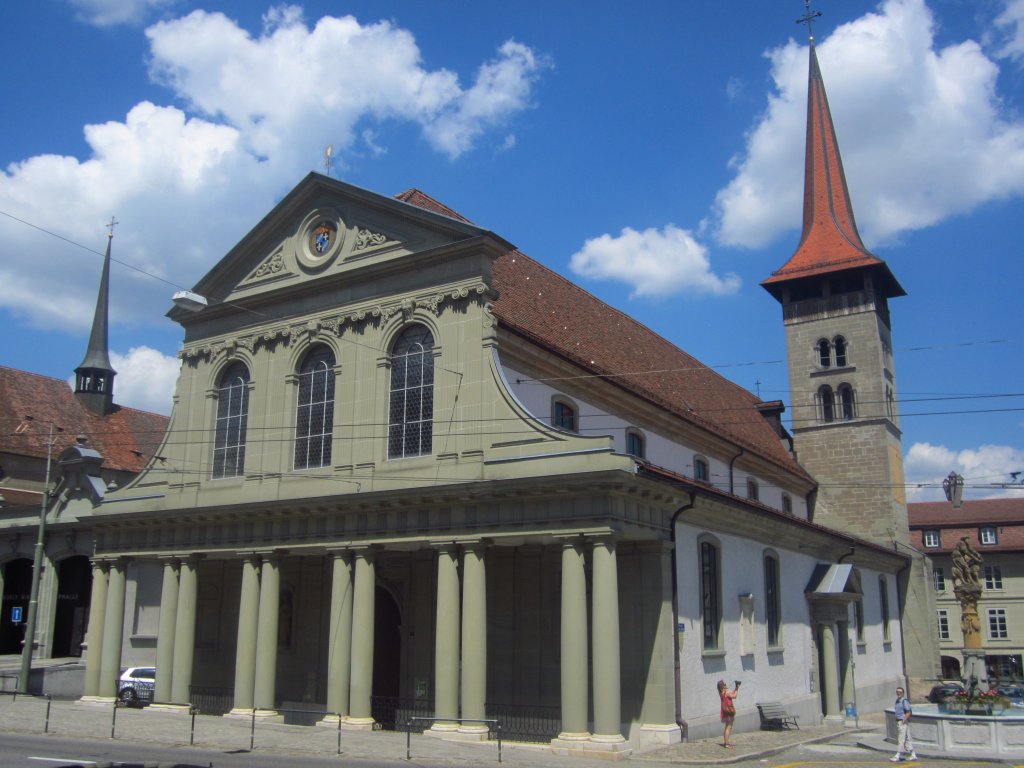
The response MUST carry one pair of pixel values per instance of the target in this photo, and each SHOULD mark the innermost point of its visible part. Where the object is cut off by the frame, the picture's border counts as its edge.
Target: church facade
(410, 470)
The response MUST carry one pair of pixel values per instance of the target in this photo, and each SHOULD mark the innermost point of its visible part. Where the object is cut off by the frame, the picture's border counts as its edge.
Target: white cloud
(145, 379)
(1009, 27)
(107, 13)
(655, 262)
(983, 468)
(185, 184)
(920, 128)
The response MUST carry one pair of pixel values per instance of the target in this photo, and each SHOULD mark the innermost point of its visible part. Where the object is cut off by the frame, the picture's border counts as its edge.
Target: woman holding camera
(728, 701)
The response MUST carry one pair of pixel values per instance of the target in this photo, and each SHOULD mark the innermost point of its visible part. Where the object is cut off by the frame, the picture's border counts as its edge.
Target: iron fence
(392, 713)
(212, 699)
(527, 723)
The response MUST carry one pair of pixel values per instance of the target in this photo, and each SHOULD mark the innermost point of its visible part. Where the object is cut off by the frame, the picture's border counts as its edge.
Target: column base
(471, 733)
(330, 721)
(108, 700)
(358, 724)
(442, 729)
(239, 713)
(571, 737)
(178, 709)
(660, 735)
(834, 719)
(604, 750)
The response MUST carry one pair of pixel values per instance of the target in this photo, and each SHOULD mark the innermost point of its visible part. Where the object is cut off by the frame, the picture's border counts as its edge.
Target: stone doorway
(74, 586)
(17, 582)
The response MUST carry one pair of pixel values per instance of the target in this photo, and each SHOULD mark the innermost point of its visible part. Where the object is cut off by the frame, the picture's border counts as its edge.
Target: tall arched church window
(772, 599)
(314, 418)
(232, 419)
(828, 404)
(824, 353)
(839, 345)
(847, 408)
(411, 412)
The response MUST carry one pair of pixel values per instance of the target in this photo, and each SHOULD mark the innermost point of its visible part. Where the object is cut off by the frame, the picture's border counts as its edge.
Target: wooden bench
(774, 717)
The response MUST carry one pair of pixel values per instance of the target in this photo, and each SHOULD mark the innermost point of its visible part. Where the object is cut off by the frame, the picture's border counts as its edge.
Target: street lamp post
(37, 567)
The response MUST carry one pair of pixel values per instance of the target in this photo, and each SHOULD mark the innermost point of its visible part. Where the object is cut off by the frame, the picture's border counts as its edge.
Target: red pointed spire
(830, 241)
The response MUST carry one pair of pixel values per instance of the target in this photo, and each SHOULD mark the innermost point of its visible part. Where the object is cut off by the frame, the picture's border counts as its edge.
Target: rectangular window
(711, 601)
(772, 604)
(943, 624)
(858, 619)
(883, 596)
(940, 580)
(787, 504)
(752, 491)
(700, 470)
(993, 577)
(931, 539)
(997, 624)
(988, 536)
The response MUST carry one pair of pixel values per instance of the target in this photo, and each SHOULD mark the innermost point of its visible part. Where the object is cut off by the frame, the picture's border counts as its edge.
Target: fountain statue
(967, 588)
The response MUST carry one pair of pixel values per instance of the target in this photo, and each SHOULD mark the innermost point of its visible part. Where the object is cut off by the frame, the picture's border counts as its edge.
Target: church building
(411, 470)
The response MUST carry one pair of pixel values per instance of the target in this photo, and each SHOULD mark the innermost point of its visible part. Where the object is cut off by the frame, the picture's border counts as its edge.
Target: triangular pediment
(326, 231)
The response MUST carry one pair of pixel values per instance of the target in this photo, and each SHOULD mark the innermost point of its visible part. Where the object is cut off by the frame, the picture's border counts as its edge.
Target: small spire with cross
(808, 18)
(110, 227)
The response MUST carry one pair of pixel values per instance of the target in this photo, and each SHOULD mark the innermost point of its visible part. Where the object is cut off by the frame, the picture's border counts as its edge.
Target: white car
(135, 685)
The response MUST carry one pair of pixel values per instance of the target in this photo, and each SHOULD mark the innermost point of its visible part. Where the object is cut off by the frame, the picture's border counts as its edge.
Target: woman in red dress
(728, 700)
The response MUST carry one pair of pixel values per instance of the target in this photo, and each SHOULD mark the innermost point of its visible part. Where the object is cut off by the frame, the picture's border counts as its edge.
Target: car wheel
(128, 695)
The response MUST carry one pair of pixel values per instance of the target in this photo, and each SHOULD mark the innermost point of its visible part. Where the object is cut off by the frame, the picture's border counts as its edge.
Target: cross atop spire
(110, 227)
(808, 19)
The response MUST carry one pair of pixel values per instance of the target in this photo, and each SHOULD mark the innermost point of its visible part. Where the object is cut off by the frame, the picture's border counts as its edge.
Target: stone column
(97, 616)
(264, 691)
(248, 629)
(113, 630)
(574, 644)
(607, 664)
(846, 667)
(474, 638)
(165, 632)
(361, 686)
(339, 652)
(185, 632)
(658, 711)
(830, 672)
(446, 640)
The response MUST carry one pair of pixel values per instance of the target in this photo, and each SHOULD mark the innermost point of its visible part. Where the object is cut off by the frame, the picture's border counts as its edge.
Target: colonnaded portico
(481, 622)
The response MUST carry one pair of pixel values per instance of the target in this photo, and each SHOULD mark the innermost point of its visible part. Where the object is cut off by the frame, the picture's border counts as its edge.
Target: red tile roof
(977, 512)
(126, 438)
(555, 313)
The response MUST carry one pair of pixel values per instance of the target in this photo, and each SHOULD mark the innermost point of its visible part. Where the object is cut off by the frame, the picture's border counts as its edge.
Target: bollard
(408, 739)
(339, 733)
(252, 732)
(46, 725)
(113, 720)
(192, 734)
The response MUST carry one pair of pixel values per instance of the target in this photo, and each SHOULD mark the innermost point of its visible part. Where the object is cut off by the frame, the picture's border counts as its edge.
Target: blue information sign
(16, 614)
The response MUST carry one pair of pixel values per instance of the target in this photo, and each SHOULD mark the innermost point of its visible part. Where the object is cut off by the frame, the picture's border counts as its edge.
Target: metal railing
(527, 722)
(391, 713)
(212, 699)
(49, 701)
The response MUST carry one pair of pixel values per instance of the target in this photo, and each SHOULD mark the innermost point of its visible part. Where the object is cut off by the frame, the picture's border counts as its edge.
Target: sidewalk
(95, 721)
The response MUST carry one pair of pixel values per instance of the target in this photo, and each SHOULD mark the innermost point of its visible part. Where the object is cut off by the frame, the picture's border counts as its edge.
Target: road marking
(65, 760)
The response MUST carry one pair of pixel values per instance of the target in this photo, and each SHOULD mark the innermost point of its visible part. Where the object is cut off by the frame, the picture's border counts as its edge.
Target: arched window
(839, 345)
(828, 403)
(890, 402)
(314, 418)
(711, 594)
(411, 416)
(846, 404)
(701, 470)
(232, 418)
(824, 353)
(563, 415)
(635, 443)
(772, 600)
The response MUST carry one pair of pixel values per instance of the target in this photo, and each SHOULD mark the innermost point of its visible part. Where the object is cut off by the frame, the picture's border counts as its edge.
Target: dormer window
(988, 535)
(931, 539)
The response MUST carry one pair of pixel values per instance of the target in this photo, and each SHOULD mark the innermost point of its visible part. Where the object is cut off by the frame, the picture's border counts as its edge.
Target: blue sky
(651, 152)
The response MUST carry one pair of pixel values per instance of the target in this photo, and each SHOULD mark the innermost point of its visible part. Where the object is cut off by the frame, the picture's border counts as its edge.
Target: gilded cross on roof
(808, 17)
(113, 223)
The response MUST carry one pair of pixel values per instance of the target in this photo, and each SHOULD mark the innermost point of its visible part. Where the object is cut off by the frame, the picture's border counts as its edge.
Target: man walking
(904, 745)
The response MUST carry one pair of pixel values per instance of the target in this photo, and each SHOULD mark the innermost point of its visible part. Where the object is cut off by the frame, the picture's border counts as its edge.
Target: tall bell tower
(94, 376)
(842, 377)
(835, 304)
